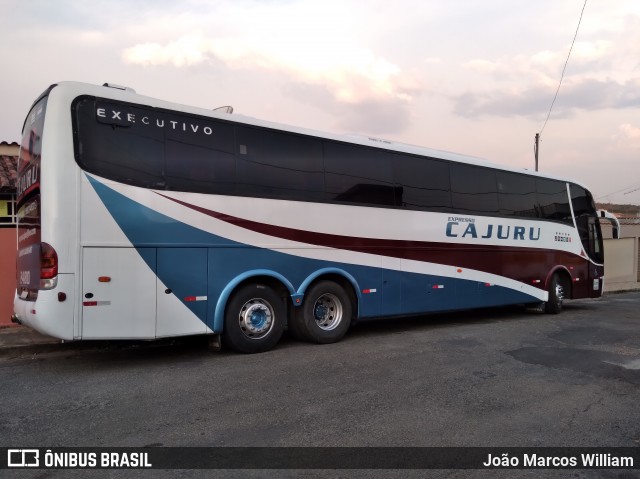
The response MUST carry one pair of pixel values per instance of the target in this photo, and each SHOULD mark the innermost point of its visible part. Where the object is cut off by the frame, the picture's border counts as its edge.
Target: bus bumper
(48, 315)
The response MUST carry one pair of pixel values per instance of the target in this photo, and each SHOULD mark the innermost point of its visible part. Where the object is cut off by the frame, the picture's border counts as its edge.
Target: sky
(476, 77)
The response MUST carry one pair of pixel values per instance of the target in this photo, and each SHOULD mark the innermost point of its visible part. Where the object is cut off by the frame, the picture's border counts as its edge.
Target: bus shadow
(384, 326)
(198, 347)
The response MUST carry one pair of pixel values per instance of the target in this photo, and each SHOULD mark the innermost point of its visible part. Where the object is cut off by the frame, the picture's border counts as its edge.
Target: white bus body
(142, 219)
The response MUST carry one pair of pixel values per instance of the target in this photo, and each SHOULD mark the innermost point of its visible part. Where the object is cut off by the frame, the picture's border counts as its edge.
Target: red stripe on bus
(486, 258)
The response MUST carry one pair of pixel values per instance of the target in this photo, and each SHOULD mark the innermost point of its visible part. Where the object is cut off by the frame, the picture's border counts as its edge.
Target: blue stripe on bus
(396, 292)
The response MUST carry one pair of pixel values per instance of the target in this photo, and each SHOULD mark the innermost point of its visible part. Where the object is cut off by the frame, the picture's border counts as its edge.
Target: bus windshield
(584, 210)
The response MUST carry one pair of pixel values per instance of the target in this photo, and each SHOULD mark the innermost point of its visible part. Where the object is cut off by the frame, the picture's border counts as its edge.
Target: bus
(142, 219)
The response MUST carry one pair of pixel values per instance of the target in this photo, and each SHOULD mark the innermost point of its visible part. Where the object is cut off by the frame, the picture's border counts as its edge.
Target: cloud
(351, 72)
(545, 66)
(599, 75)
(629, 135)
(312, 44)
(540, 66)
(186, 51)
(375, 117)
(577, 94)
(631, 132)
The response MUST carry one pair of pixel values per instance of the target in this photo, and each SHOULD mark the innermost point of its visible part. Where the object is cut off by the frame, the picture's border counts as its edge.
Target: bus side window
(553, 200)
(199, 169)
(358, 174)
(516, 194)
(279, 165)
(424, 183)
(473, 189)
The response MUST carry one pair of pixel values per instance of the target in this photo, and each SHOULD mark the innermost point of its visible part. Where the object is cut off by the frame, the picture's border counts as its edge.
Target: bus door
(596, 253)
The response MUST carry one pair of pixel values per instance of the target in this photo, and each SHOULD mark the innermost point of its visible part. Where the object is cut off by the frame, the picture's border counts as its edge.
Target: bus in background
(142, 219)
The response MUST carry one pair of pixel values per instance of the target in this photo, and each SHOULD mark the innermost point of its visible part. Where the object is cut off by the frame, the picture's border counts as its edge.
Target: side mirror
(613, 220)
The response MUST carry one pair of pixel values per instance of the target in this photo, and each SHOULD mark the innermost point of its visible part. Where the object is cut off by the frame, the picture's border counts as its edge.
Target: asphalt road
(491, 378)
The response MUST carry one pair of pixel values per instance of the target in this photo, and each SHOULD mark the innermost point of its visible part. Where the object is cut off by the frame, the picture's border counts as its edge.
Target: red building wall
(7, 274)
(8, 177)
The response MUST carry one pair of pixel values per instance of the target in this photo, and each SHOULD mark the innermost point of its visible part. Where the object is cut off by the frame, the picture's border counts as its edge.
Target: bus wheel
(254, 319)
(556, 296)
(325, 314)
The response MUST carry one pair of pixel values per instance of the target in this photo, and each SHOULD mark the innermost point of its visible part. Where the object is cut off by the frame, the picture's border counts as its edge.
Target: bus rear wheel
(556, 295)
(325, 314)
(254, 319)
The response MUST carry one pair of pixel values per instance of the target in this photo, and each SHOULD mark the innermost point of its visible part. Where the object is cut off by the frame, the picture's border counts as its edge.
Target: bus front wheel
(556, 296)
(325, 314)
(254, 320)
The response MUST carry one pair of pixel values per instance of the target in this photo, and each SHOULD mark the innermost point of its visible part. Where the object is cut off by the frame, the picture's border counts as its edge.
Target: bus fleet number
(25, 277)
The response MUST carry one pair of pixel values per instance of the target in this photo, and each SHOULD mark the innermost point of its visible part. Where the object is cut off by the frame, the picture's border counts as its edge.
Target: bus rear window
(28, 202)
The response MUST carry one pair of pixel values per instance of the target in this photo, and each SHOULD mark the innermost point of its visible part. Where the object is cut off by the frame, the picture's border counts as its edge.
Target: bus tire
(556, 296)
(254, 319)
(325, 314)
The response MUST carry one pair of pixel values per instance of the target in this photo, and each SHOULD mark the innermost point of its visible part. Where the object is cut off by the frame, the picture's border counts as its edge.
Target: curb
(22, 340)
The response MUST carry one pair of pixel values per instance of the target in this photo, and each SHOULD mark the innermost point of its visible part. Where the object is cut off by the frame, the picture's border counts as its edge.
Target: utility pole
(535, 148)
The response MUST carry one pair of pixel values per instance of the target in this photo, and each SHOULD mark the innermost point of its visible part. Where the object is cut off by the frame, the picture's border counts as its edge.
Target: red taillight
(48, 261)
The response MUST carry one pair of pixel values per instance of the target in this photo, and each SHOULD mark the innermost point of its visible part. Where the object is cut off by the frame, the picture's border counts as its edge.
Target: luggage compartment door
(182, 291)
(118, 293)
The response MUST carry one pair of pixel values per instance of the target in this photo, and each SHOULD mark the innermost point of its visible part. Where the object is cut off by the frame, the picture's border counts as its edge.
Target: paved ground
(21, 338)
(489, 378)
(16, 339)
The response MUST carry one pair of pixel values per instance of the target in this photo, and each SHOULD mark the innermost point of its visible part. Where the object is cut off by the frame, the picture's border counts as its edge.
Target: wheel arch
(270, 278)
(337, 275)
(565, 276)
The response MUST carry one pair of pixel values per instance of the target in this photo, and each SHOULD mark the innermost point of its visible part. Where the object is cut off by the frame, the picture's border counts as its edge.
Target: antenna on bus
(226, 109)
(119, 87)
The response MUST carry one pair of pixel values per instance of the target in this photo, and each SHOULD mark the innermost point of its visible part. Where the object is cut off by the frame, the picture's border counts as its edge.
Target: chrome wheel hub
(559, 293)
(256, 318)
(327, 311)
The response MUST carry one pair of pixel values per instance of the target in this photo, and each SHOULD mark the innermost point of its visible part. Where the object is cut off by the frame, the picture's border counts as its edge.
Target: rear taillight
(48, 266)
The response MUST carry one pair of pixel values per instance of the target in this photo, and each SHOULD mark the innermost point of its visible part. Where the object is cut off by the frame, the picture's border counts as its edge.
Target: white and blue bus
(141, 219)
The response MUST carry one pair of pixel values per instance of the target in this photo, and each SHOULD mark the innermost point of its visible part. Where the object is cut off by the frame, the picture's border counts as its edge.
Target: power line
(564, 68)
(627, 190)
(536, 145)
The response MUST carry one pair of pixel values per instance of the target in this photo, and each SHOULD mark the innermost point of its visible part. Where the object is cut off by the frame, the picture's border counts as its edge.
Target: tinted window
(584, 211)
(152, 148)
(199, 169)
(553, 200)
(423, 183)
(516, 194)
(200, 155)
(109, 144)
(595, 248)
(356, 174)
(279, 165)
(582, 201)
(473, 189)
